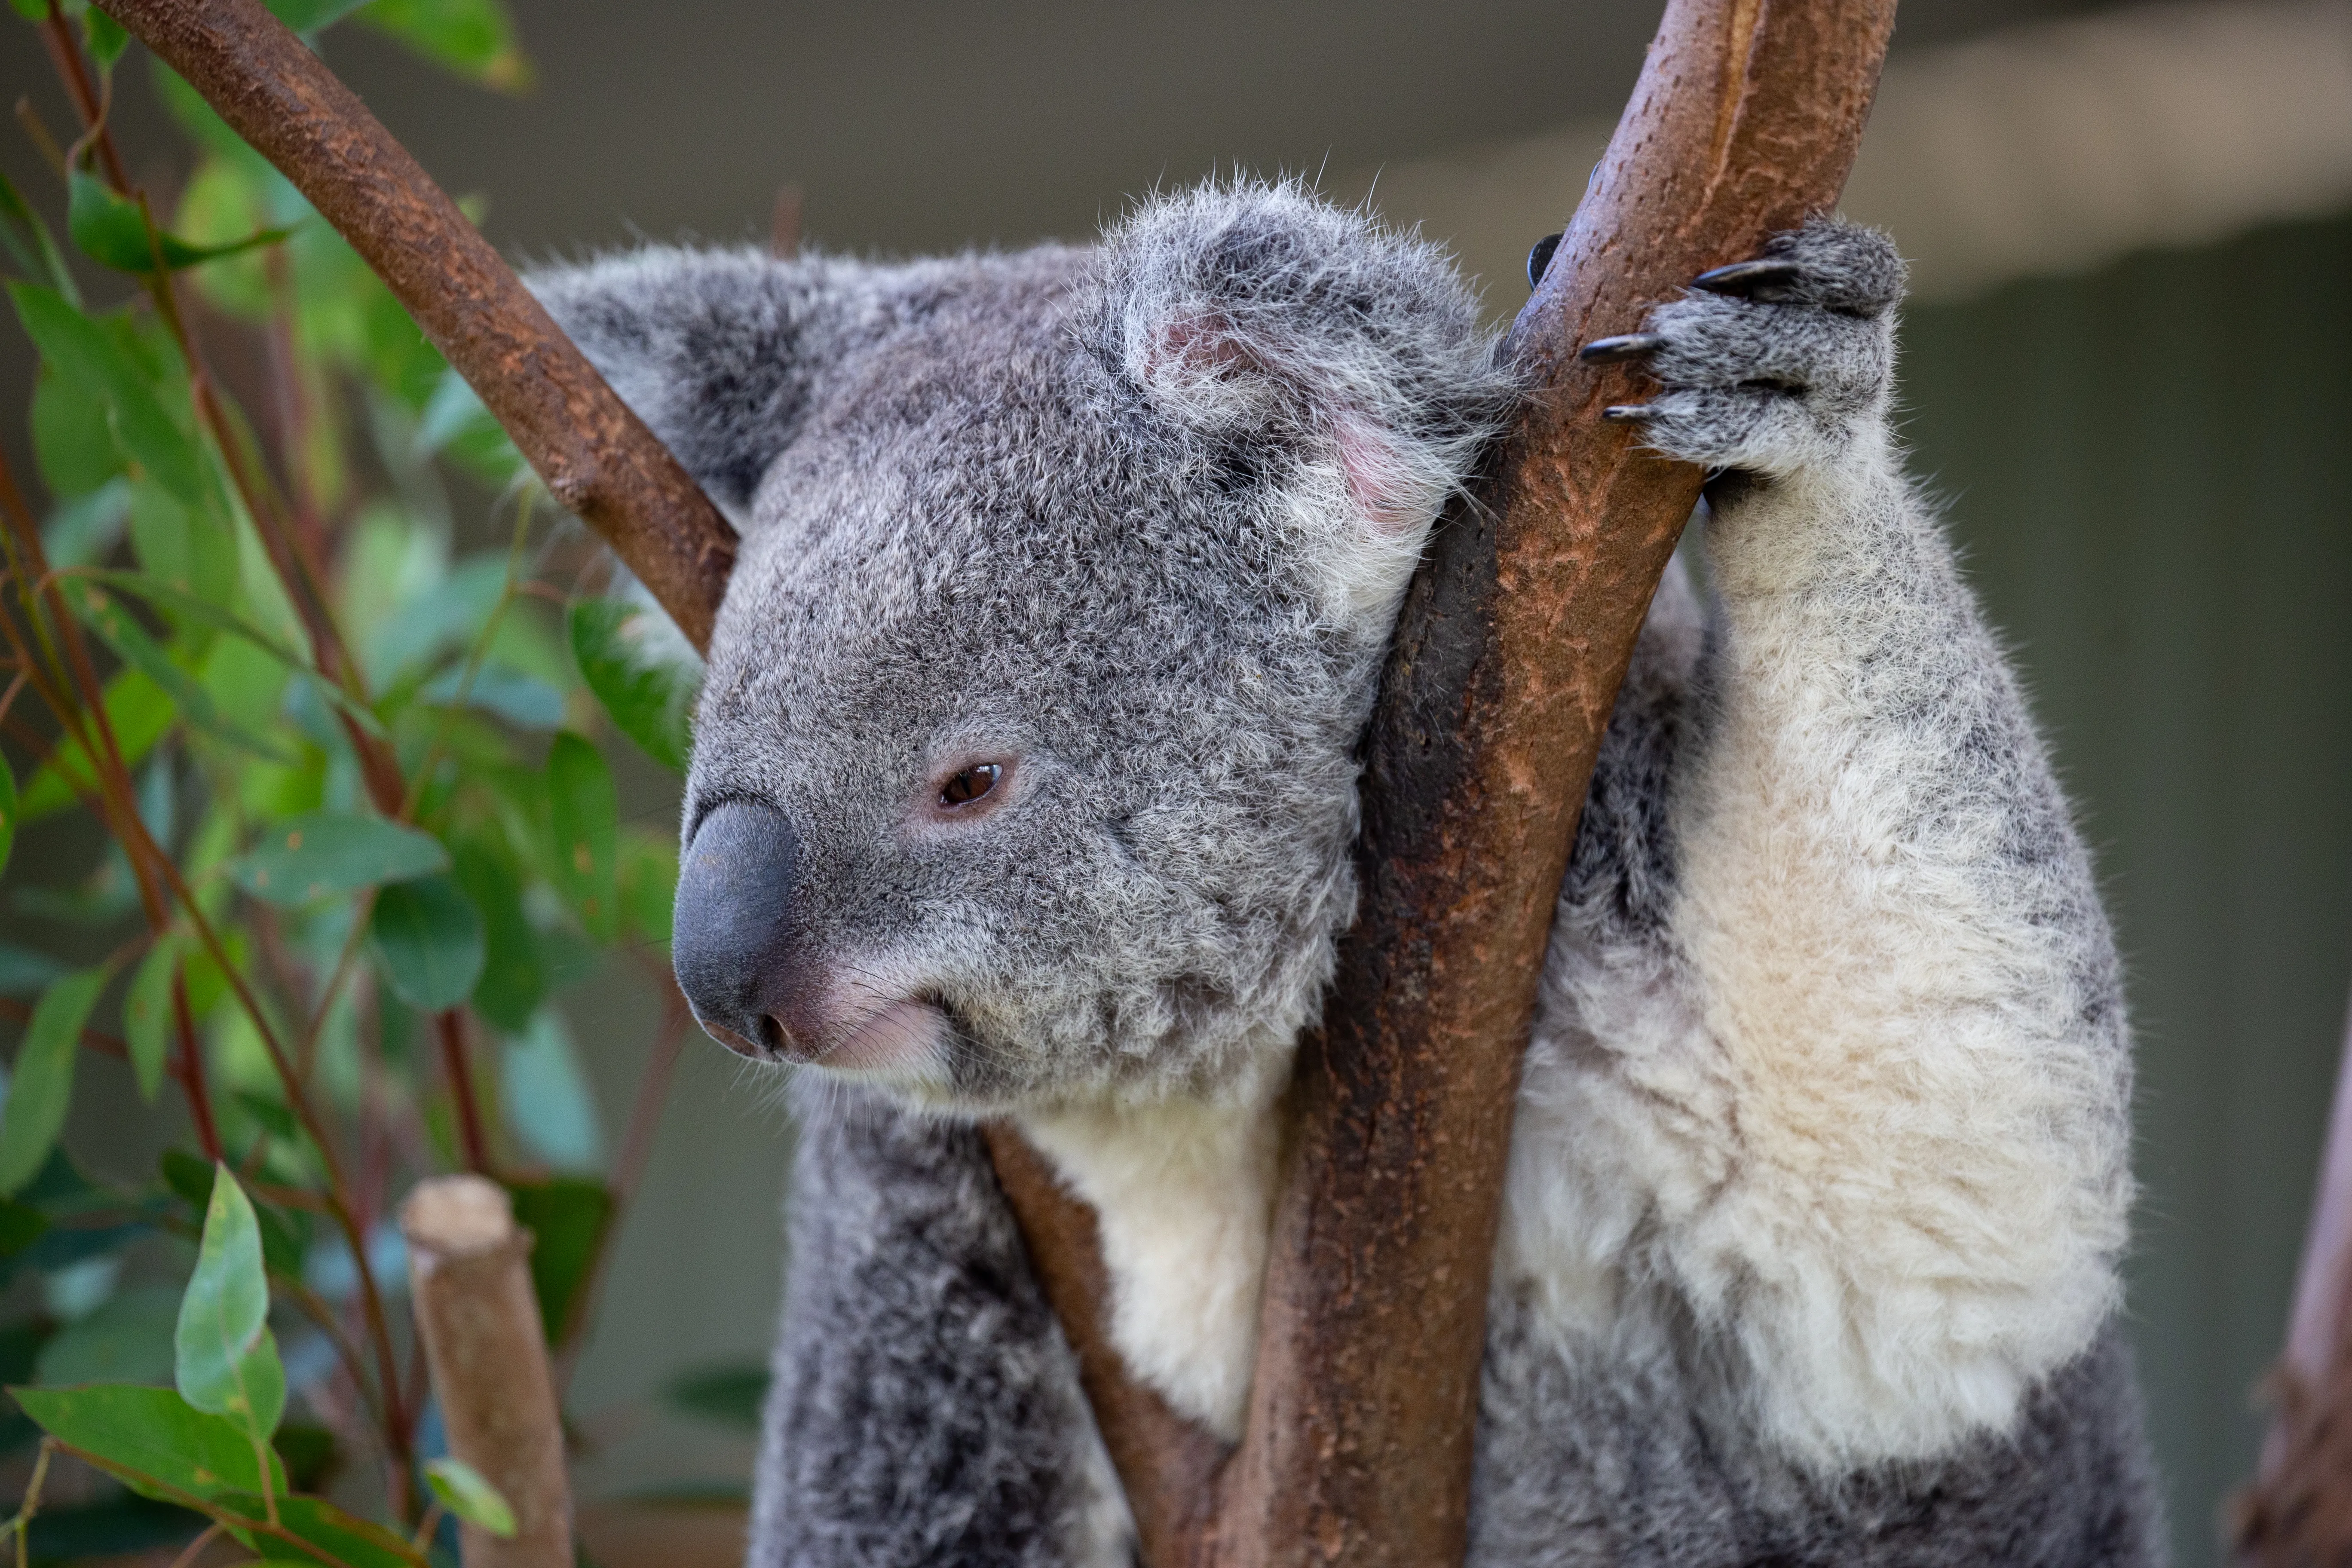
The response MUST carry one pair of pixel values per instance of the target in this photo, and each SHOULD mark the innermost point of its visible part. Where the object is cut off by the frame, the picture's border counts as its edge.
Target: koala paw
(1772, 366)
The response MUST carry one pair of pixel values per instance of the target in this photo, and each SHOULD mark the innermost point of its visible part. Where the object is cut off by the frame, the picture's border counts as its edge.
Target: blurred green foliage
(360, 829)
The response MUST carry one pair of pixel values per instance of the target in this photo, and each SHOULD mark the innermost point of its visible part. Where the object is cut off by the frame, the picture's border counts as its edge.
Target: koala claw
(1613, 350)
(1631, 412)
(1758, 279)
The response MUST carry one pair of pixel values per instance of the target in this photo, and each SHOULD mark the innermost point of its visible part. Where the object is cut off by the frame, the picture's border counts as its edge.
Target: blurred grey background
(2129, 374)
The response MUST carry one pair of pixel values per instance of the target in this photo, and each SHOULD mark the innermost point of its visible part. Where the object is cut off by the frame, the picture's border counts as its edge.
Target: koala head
(1024, 770)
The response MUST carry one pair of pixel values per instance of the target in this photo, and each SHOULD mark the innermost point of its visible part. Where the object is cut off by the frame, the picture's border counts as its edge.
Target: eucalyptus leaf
(79, 348)
(583, 821)
(626, 659)
(340, 1538)
(322, 853)
(543, 1089)
(129, 639)
(308, 17)
(105, 36)
(427, 936)
(138, 711)
(464, 1492)
(514, 977)
(127, 1340)
(518, 698)
(473, 37)
(226, 1361)
(152, 1440)
(27, 241)
(147, 1014)
(111, 230)
(40, 1085)
(568, 1218)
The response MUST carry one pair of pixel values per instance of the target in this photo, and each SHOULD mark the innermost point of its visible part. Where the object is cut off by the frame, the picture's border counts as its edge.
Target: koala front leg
(1901, 1103)
(926, 1410)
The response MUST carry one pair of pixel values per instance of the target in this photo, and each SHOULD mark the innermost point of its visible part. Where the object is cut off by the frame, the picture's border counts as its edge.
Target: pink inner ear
(1192, 346)
(1379, 477)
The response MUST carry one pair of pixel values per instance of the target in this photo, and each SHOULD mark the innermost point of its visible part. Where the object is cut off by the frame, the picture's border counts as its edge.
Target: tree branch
(1505, 665)
(598, 457)
(1500, 681)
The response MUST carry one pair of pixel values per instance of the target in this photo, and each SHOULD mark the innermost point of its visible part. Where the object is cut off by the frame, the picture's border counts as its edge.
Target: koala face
(1023, 769)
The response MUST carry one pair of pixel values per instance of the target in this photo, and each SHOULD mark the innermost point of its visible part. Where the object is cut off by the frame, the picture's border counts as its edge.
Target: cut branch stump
(469, 1277)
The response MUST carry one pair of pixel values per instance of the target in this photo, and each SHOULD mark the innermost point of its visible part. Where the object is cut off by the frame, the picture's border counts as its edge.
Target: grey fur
(1135, 517)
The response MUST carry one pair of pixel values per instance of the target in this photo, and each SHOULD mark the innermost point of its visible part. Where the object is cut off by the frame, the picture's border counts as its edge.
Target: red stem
(459, 1069)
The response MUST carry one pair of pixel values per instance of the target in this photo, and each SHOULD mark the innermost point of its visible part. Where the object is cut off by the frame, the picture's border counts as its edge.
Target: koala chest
(1183, 1198)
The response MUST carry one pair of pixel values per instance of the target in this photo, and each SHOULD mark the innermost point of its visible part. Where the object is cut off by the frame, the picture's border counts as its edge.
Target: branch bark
(1499, 684)
(469, 1273)
(598, 457)
(2298, 1510)
(1506, 664)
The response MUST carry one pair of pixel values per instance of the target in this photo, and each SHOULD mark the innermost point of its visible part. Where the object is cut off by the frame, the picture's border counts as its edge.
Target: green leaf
(152, 1440)
(188, 548)
(140, 713)
(648, 886)
(514, 978)
(26, 240)
(129, 1339)
(106, 37)
(227, 1361)
(308, 17)
(728, 1395)
(21, 1224)
(584, 820)
(338, 1538)
(326, 852)
(428, 937)
(111, 230)
(546, 1097)
(41, 1086)
(147, 1017)
(131, 643)
(81, 349)
(568, 1217)
(7, 812)
(623, 655)
(73, 437)
(526, 703)
(475, 38)
(284, 1234)
(464, 1492)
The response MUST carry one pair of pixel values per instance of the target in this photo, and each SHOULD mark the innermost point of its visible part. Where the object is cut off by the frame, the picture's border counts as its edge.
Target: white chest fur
(1183, 1193)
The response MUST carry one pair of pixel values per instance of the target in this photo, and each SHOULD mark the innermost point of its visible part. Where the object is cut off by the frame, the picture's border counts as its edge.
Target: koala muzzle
(731, 938)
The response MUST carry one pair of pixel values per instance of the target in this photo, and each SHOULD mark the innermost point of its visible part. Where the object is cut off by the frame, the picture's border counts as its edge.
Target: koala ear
(716, 350)
(1263, 319)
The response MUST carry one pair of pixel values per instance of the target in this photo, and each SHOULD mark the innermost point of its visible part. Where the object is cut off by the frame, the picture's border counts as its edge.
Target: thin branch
(598, 457)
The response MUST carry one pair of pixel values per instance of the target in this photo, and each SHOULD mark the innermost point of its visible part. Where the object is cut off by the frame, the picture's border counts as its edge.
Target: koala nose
(731, 938)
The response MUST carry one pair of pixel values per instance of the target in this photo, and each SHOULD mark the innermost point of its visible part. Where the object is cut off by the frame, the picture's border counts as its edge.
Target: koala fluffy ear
(1263, 319)
(717, 350)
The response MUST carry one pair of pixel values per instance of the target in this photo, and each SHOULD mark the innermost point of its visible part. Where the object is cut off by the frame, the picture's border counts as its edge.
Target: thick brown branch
(597, 456)
(1500, 682)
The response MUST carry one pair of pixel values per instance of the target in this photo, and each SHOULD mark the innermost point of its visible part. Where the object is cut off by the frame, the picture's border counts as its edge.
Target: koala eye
(971, 784)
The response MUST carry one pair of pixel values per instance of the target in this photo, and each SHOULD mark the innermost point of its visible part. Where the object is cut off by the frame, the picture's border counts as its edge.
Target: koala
(1024, 786)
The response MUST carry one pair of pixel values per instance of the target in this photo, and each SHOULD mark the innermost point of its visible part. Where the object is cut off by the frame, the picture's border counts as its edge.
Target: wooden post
(469, 1277)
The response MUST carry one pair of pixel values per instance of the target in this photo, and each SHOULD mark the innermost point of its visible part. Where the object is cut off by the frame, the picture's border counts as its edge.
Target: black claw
(1629, 412)
(1613, 351)
(1744, 278)
(1540, 257)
